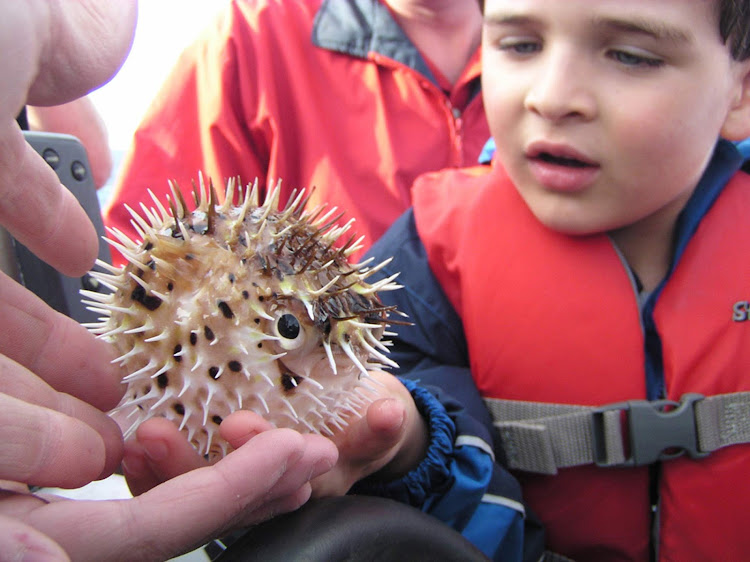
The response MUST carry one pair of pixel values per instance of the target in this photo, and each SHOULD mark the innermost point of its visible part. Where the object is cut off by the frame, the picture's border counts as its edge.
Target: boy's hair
(734, 26)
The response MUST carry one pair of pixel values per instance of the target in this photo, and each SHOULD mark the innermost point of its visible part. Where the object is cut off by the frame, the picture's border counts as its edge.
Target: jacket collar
(360, 27)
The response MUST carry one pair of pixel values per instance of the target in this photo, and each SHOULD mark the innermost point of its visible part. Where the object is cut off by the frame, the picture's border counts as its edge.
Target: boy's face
(605, 112)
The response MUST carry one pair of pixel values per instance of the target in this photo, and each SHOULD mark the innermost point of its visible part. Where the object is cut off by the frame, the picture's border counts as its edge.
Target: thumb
(383, 428)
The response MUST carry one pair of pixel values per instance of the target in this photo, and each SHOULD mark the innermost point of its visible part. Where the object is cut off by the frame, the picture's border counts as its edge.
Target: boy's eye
(519, 47)
(628, 58)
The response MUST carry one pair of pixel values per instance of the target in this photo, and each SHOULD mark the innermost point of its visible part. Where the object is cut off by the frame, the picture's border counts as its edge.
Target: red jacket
(554, 318)
(327, 94)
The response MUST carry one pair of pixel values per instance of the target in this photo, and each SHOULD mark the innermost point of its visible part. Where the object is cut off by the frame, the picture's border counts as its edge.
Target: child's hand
(389, 439)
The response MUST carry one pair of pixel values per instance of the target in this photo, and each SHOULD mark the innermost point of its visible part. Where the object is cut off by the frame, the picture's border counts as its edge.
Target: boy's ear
(737, 123)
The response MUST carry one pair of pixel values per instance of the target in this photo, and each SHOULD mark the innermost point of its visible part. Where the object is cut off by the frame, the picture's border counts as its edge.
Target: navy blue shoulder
(434, 348)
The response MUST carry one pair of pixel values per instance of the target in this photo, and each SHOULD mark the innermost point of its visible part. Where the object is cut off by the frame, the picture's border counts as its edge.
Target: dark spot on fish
(189, 257)
(162, 380)
(245, 295)
(235, 366)
(193, 338)
(179, 408)
(216, 419)
(149, 301)
(231, 277)
(148, 246)
(261, 298)
(256, 320)
(260, 345)
(151, 265)
(209, 333)
(170, 286)
(225, 310)
(213, 372)
(177, 349)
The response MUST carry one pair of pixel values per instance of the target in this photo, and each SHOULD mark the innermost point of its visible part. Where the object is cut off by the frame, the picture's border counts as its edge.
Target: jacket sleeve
(460, 481)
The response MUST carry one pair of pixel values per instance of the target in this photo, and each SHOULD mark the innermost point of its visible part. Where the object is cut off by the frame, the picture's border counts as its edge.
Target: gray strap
(542, 438)
(723, 420)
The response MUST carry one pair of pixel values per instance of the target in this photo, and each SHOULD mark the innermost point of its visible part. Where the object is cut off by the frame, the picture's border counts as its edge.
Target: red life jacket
(555, 318)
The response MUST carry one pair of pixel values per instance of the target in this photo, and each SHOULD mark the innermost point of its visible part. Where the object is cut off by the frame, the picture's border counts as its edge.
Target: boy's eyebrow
(654, 29)
(500, 19)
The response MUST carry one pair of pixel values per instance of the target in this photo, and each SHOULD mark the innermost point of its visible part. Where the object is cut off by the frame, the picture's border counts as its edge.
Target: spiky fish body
(244, 306)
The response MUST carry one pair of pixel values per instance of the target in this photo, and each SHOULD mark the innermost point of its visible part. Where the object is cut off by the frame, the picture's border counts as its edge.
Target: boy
(601, 258)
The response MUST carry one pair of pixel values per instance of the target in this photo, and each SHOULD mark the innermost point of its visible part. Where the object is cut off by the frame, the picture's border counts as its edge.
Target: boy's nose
(561, 89)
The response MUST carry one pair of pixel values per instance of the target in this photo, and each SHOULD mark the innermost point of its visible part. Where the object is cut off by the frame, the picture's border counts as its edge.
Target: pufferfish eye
(288, 326)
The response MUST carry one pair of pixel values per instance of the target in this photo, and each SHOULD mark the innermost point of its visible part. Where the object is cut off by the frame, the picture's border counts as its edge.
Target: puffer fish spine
(243, 306)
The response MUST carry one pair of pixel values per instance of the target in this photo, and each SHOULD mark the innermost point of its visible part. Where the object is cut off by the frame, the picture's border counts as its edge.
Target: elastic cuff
(431, 474)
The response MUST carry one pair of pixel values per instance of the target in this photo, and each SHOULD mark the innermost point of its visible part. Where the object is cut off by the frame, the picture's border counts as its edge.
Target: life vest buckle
(657, 430)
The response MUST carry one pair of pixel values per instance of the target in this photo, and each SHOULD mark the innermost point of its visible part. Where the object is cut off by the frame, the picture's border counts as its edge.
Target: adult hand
(53, 52)
(270, 474)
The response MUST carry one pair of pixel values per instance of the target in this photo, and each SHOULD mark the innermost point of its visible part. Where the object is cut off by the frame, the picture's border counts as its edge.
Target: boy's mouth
(559, 155)
(560, 167)
(562, 160)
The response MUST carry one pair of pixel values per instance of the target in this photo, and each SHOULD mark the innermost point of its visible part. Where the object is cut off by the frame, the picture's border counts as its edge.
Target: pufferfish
(241, 306)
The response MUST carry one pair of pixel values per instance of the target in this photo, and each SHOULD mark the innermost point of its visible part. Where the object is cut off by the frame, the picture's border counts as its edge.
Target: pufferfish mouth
(289, 379)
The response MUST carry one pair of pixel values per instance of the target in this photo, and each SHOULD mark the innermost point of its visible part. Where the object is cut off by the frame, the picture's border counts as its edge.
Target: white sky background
(164, 29)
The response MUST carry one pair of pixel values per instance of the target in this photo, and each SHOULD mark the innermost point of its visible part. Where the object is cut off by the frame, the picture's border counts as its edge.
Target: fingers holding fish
(200, 504)
(157, 453)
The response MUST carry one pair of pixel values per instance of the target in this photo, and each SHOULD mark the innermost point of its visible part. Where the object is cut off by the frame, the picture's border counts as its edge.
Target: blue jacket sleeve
(460, 481)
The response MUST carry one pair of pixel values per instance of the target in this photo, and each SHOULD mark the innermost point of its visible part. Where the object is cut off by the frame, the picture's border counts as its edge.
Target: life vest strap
(541, 437)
